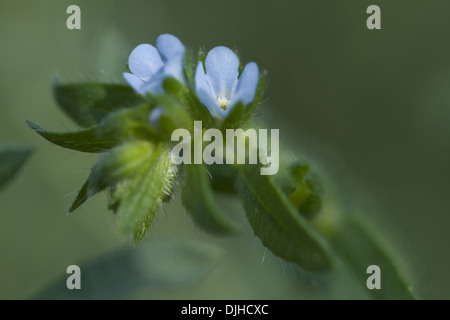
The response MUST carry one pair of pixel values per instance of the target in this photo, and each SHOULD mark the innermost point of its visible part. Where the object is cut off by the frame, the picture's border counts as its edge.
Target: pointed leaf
(81, 198)
(278, 224)
(116, 194)
(198, 199)
(144, 194)
(88, 103)
(84, 140)
(359, 247)
(120, 164)
(12, 158)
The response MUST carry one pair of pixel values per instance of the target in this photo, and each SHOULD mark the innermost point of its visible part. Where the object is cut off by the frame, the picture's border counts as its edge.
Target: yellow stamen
(223, 102)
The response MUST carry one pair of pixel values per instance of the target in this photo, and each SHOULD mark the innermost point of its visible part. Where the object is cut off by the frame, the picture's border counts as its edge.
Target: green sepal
(306, 195)
(89, 103)
(198, 199)
(201, 56)
(81, 198)
(196, 109)
(277, 223)
(12, 158)
(84, 140)
(116, 193)
(251, 108)
(142, 196)
(119, 164)
(199, 112)
(189, 69)
(128, 124)
(173, 117)
(235, 118)
(175, 88)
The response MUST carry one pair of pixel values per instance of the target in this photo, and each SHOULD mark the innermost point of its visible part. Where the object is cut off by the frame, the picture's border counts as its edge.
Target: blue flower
(150, 65)
(155, 115)
(220, 87)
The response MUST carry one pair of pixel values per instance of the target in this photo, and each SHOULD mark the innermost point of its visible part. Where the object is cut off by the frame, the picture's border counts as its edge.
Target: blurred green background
(372, 107)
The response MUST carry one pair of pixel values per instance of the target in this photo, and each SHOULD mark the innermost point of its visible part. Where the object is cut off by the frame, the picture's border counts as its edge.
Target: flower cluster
(131, 126)
(218, 84)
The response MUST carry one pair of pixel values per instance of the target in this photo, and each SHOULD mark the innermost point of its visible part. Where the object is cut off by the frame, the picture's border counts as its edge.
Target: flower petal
(247, 85)
(154, 86)
(175, 68)
(205, 92)
(172, 68)
(144, 61)
(155, 115)
(133, 81)
(222, 67)
(169, 46)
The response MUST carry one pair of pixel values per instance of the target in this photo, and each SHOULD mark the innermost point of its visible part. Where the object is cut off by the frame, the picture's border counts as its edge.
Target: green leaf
(359, 247)
(12, 158)
(81, 198)
(84, 140)
(198, 199)
(278, 224)
(119, 164)
(116, 194)
(88, 103)
(144, 194)
(127, 124)
(149, 268)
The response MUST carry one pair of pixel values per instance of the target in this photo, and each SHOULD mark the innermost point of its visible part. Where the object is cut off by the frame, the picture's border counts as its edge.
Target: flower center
(223, 102)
